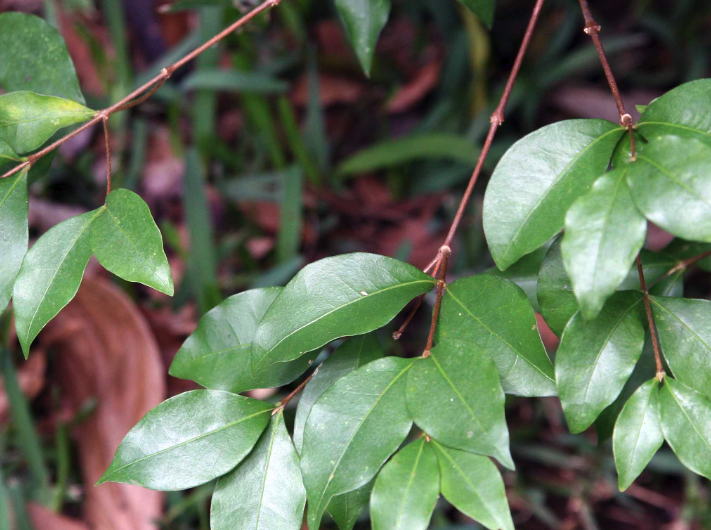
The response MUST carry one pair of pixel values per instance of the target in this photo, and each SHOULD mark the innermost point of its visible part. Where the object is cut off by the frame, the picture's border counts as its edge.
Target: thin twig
(108, 155)
(444, 252)
(592, 28)
(151, 86)
(284, 402)
(436, 263)
(682, 265)
(497, 118)
(650, 320)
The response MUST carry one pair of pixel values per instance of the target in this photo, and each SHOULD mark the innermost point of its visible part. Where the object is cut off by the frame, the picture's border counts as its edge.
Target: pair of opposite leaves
(544, 174)
(121, 234)
(369, 406)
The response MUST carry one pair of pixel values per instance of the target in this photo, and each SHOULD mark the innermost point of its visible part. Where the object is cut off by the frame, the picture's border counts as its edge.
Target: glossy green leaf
(335, 297)
(28, 119)
(495, 316)
(473, 485)
(556, 297)
(50, 276)
(189, 440)
(638, 433)
(604, 231)
(524, 273)
(36, 58)
(484, 9)
(351, 355)
(7, 154)
(644, 370)
(538, 179)
(127, 242)
(346, 508)
(445, 393)
(352, 430)
(265, 491)
(234, 81)
(671, 185)
(407, 489)
(686, 423)
(684, 328)
(364, 20)
(596, 357)
(14, 232)
(218, 353)
(682, 111)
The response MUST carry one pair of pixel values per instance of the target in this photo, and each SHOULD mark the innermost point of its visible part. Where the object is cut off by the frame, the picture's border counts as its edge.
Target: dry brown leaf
(106, 350)
(334, 90)
(43, 519)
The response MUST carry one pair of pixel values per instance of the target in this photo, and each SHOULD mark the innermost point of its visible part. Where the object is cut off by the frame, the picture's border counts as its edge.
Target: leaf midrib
(548, 190)
(670, 124)
(335, 309)
(674, 178)
(518, 355)
(409, 485)
(356, 430)
(47, 118)
(185, 442)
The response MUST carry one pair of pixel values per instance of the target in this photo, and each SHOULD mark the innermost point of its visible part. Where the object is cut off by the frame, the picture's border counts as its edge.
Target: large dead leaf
(106, 350)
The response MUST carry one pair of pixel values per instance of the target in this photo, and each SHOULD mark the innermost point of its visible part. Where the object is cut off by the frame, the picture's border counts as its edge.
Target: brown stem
(136, 97)
(497, 118)
(444, 252)
(436, 263)
(650, 320)
(592, 28)
(284, 402)
(108, 155)
(682, 265)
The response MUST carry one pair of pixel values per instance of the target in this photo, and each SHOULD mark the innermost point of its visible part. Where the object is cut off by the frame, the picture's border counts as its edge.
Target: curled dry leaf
(414, 91)
(106, 350)
(334, 90)
(30, 377)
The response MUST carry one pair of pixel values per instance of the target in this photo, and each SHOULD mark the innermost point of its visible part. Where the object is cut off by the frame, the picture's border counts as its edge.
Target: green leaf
(682, 111)
(50, 276)
(406, 490)
(445, 392)
(596, 357)
(189, 440)
(684, 328)
(538, 179)
(345, 509)
(524, 273)
(671, 184)
(484, 9)
(556, 298)
(351, 355)
(364, 20)
(14, 232)
(473, 485)
(27, 119)
(682, 249)
(686, 423)
(638, 433)
(233, 80)
(644, 370)
(127, 242)
(352, 430)
(404, 150)
(218, 353)
(603, 234)
(7, 154)
(555, 290)
(265, 491)
(494, 315)
(335, 297)
(36, 58)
